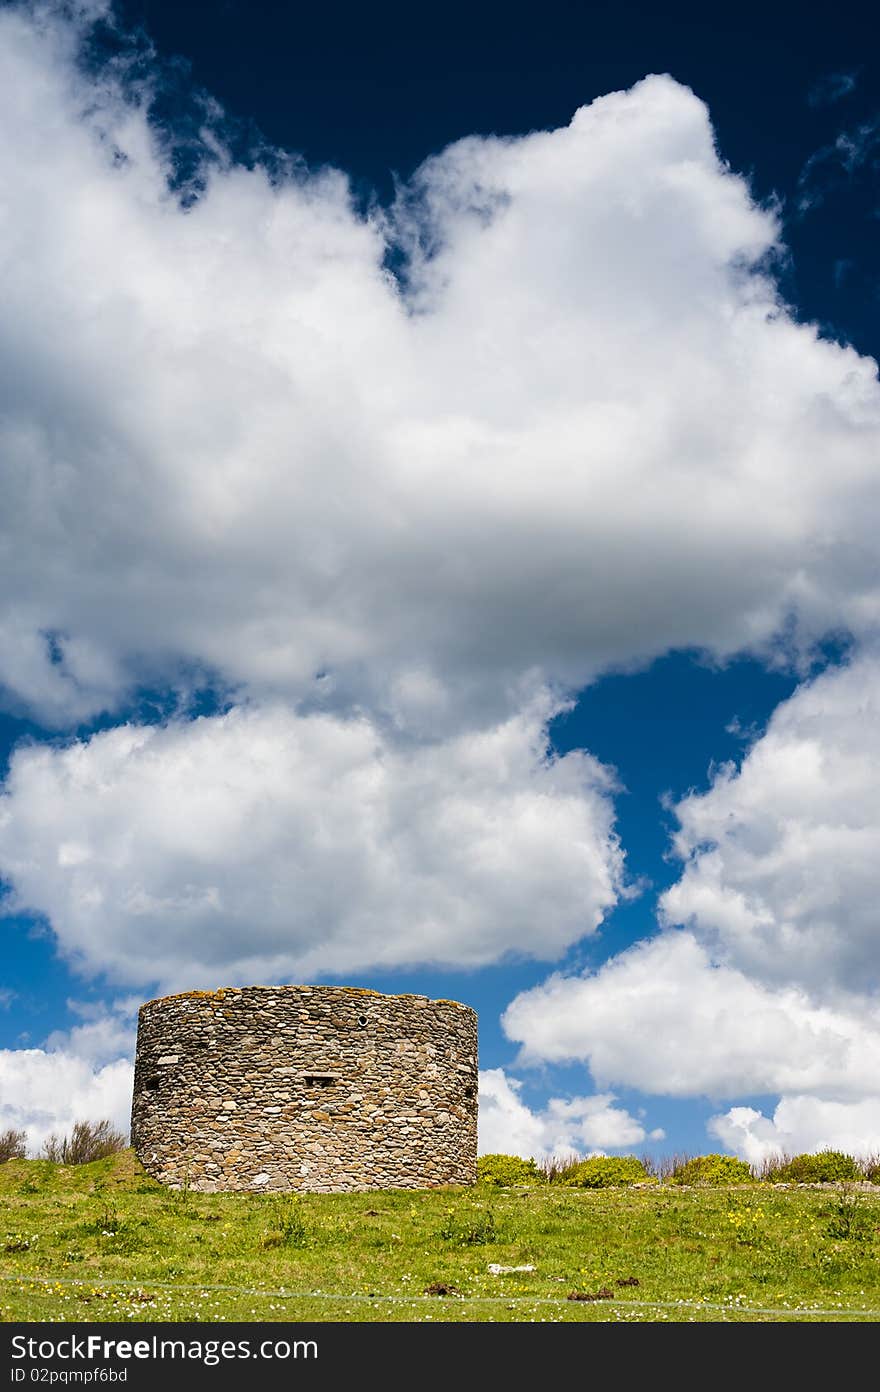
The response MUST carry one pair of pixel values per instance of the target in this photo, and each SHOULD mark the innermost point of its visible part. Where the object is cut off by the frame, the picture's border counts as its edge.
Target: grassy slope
(104, 1242)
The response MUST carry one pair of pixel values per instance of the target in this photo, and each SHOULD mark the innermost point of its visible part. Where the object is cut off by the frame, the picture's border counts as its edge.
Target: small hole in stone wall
(469, 1092)
(152, 1082)
(319, 1080)
(362, 1020)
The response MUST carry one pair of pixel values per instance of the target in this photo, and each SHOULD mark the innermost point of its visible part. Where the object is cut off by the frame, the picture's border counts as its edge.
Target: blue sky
(439, 551)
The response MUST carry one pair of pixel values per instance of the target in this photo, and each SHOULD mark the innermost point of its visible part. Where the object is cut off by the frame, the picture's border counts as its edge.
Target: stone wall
(305, 1087)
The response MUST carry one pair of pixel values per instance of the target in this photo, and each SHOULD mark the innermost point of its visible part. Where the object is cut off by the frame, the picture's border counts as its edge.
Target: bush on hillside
(12, 1144)
(504, 1170)
(88, 1141)
(605, 1172)
(826, 1166)
(712, 1169)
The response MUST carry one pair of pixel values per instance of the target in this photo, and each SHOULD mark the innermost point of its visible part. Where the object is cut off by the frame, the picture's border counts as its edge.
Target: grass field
(105, 1242)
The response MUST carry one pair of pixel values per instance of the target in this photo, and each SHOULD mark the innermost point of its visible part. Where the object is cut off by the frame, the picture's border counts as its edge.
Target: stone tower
(321, 1088)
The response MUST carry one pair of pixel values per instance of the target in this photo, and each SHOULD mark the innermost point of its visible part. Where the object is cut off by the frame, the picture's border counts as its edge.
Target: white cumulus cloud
(662, 1017)
(585, 431)
(80, 1074)
(577, 1125)
(782, 855)
(260, 845)
(771, 985)
(801, 1124)
(47, 1091)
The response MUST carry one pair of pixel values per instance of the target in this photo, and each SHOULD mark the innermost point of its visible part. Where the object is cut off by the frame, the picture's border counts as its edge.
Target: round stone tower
(322, 1088)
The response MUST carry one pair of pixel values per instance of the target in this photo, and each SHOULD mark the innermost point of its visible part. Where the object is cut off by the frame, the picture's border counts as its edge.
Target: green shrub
(88, 1141)
(469, 1227)
(288, 1224)
(825, 1167)
(12, 1144)
(871, 1168)
(106, 1221)
(712, 1169)
(504, 1170)
(604, 1172)
(849, 1220)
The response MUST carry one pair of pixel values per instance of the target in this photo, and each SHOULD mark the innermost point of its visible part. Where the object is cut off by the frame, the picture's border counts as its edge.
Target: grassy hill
(105, 1242)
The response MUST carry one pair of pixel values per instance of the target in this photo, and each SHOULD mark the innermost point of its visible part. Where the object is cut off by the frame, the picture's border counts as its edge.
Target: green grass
(105, 1242)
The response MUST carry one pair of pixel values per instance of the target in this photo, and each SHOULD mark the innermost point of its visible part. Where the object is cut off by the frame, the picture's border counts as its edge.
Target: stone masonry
(320, 1088)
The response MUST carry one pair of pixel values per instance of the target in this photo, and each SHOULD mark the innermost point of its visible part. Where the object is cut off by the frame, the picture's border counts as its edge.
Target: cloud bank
(261, 845)
(771, 986)
(801, 1124)
(782, 856)
(82, 1074)
(44, 1092)
(578, 431)
(578, 1125)
(664, 1018)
